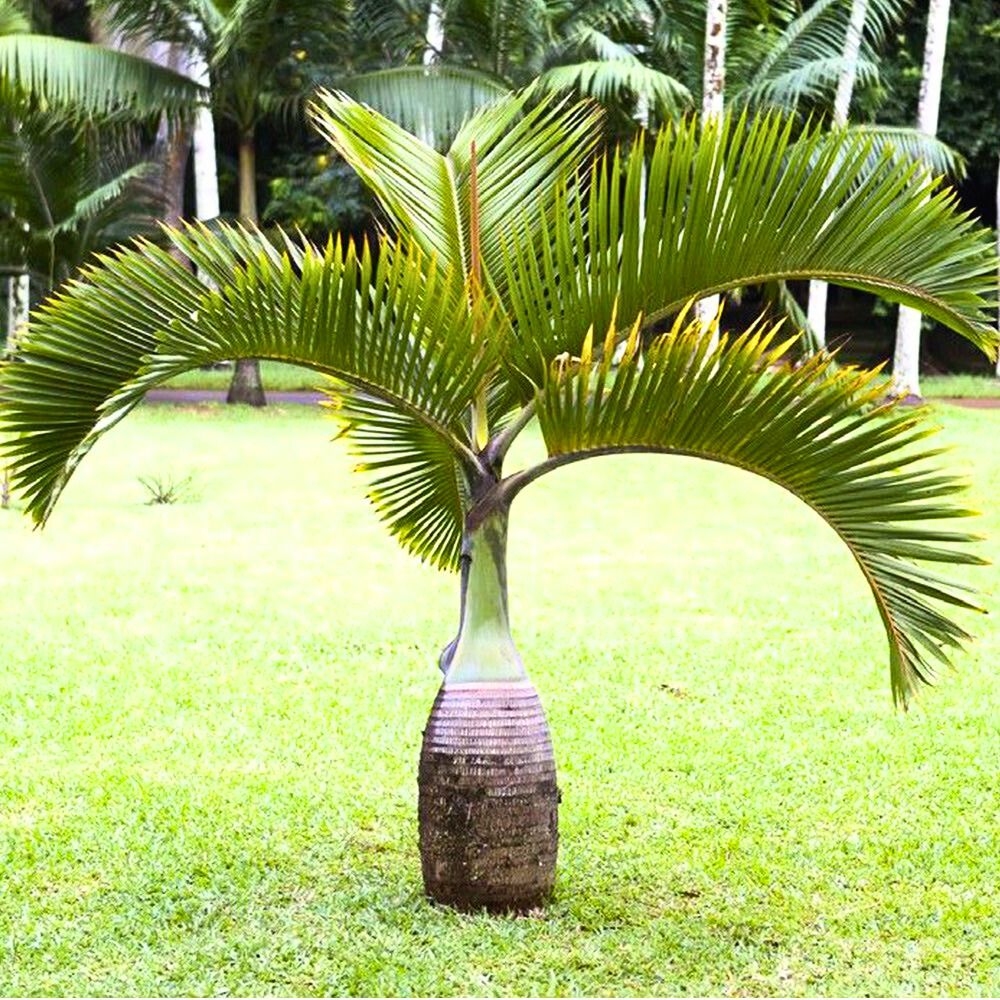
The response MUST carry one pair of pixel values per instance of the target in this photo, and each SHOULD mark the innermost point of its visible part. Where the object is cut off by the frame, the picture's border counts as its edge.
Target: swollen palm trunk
(488, 796)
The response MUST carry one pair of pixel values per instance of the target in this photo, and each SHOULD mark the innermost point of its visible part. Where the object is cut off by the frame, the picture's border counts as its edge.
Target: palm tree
(70, 192)
(906, 359)
(516, 268)
(249, 47)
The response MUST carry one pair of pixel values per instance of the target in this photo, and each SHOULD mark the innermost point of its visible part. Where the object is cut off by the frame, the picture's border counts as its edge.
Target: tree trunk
(816, 309)
(435, 34)
(18, 311)
(246, 386)
(906, 359)
(488, 802)
(206, 171)
(713, 103)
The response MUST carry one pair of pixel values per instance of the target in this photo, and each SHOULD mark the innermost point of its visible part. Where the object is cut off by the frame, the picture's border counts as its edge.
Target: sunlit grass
(210, 714)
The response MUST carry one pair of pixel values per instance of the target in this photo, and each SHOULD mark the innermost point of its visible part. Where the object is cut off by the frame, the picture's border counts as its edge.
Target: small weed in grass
(165, 489)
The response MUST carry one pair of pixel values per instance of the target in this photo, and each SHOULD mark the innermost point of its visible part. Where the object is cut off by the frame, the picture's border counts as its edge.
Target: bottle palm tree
(518, 267)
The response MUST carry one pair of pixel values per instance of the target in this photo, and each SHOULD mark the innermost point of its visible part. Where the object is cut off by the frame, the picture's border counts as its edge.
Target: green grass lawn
(287, 378)
(210, 716)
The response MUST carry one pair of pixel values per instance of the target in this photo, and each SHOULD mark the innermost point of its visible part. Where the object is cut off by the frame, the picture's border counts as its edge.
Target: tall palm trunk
(246, 386)
(713, 101)
(435, 33)
(906, 360)
(206, 171)
(18, 309)
(488, 803)
(998, 254)
(816, 309)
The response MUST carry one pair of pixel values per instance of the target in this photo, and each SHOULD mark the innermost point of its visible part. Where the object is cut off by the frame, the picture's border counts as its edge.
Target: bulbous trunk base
(488, 799)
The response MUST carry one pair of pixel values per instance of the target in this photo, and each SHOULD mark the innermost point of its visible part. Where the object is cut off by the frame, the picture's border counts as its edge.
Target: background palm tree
(517, 268)
(906, 360)
(252, 49)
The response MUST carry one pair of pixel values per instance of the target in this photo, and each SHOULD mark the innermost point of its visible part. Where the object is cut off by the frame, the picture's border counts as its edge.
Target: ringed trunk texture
(488, 796)
(246, 386)
(488, 804)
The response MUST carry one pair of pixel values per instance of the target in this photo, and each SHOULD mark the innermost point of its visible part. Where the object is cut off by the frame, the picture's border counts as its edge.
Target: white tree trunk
(18, 308)
(713, 103)
(906, 360)
(18, 305)
(435, 33)
(998, 254)
(206, 170)
(816, 308)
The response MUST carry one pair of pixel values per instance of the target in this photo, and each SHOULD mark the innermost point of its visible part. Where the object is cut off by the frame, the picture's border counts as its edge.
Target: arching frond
(432, 102)
(389, 328)
(740, 203)
(79, 79)
(610, 80)
(817, 431)
(911, 145)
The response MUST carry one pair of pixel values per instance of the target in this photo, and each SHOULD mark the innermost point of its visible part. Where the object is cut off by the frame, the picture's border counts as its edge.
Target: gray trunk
(816, 309)
(246, 386)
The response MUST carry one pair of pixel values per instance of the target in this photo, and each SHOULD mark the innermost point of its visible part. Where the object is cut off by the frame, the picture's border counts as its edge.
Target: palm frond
(98, 199)
(609, 80)
(736, 203)
(817, 431)
(521, 157)
(389, 328)
(432, 102)
(79, 79)
(911, 145)
(14, 20)
(804, 58)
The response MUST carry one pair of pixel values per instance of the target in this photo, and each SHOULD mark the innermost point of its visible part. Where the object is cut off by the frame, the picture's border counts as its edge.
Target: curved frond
(911, 145)
(79, 79)
(805, 57)
(521, 158)
(609, 80)
(735, 203)
(432, 102)
(95, 201)
(390, 328)
(817, 431)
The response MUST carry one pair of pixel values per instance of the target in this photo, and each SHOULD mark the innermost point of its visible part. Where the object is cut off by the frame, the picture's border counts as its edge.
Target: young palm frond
(432, 102)
(521, 157)
(610, 80)
(817, 431)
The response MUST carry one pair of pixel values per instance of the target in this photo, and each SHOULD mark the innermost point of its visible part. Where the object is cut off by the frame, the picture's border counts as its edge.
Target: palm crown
(516, 268)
